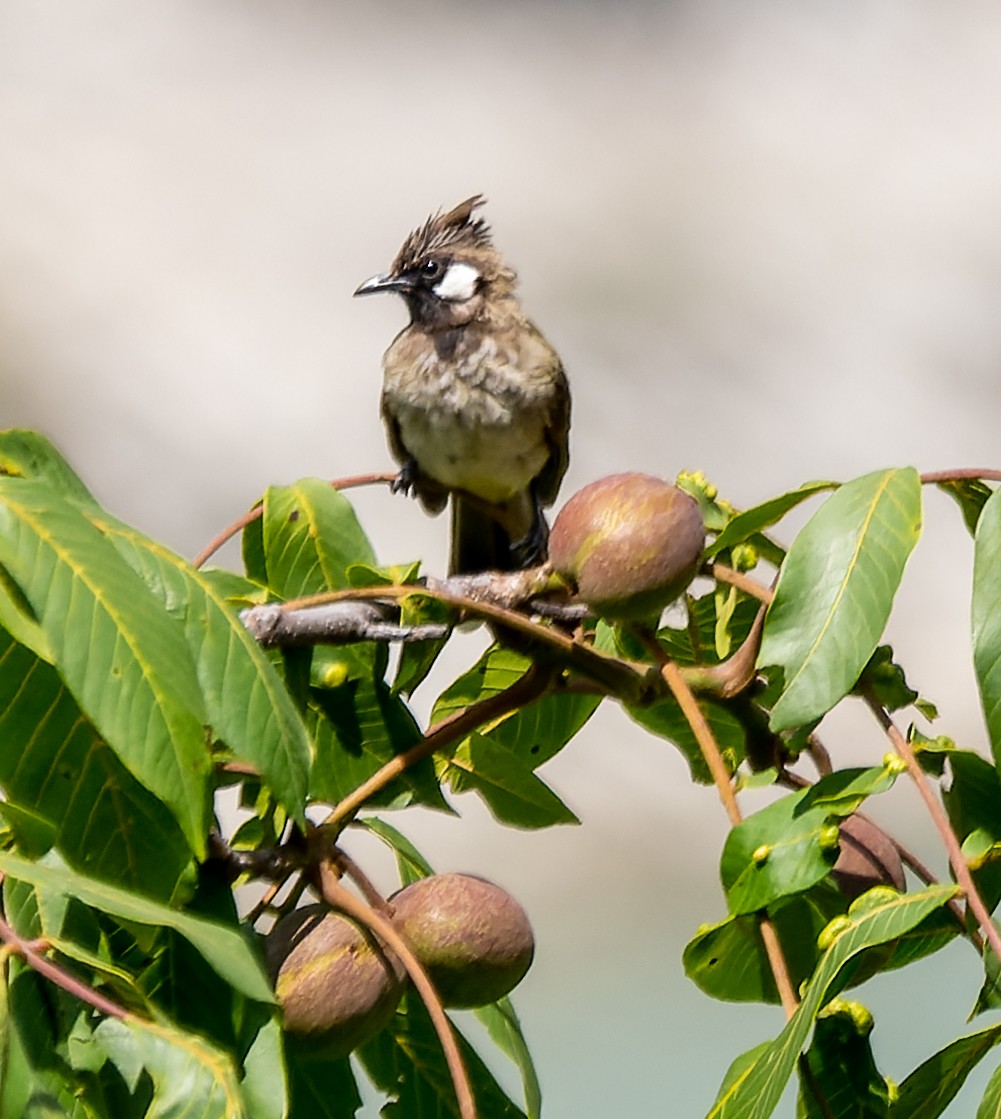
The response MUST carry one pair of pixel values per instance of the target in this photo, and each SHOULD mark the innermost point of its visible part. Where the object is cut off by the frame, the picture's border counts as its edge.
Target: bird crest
(456, 229)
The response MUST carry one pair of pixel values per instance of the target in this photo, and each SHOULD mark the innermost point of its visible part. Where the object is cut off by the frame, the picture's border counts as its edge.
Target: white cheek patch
(458, 284)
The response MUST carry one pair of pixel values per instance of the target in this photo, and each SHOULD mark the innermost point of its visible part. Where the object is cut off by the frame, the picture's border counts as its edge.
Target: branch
(492, 596)
(455, 727)
(724, 787)
(257, 510)
(336, 894)
(336, 623)
(964, 474)
(949, 839)
(31, 952)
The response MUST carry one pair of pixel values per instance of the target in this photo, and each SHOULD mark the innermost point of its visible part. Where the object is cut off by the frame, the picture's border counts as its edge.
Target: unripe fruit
(335, 983)
(629, 543)
(867, 858)
(472, 938)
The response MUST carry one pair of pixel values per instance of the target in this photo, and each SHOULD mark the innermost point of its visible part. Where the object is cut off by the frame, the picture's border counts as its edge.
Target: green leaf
(124, 659)
(843, 791)
(884, 678)
(835, 591)
(971, 495)
(248, 706)
(263, 1086)
(739, 1067)
(311, 537)
(507, 785)
(869, 923)
(841, 1080)
(932, 1086)
(322, 1089)
(496, 670)
(987, 618)
(19, 620)
(747, 524)
(61, 781)
(728, 960)
(191, 1079)
(406, 1061)
(411, 863)
(417, 657)
(223, 947)
(533, 733)
(504, 1029)
(990, 1105)
(358, 727)
(972, 799)
(775, 852)
(27, 454)
(665, 718)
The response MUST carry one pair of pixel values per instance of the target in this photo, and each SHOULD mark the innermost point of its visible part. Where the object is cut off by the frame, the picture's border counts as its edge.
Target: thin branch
(724, 787)
(941, 821)
(777, 962)
(742, 582)
(964, 474)
(257, 510)
(628, 681)
(336, 894)
(455, 727)
(31, 952)
(703, 736)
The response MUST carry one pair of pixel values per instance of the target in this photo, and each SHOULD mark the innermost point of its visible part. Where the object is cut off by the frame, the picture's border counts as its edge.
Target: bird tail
(479, 542)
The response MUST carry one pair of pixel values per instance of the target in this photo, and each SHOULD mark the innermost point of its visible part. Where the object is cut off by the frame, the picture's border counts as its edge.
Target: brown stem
(964, 474)
(346, 865)
(941, 821)
(703, 736)
(629, 682)
(336, 894)
(732, 676)
(28, 950)
(257, 511)
(724, 787)
(451, 729)
(737, 579)
(227, 533)
(777, 962)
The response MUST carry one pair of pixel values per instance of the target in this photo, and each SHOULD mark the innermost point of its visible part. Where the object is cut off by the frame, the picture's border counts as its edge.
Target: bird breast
(475, 421)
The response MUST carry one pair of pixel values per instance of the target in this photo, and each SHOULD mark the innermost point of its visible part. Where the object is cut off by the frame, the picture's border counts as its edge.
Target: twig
(949, 839)
(257, 510)
(737, 579)
(29, 951)
(964, 474)
(336, 894)
(724, 787)
(628, 681)
(526, 688)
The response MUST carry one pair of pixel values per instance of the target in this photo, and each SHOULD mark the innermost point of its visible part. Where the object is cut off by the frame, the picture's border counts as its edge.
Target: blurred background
(765, 240)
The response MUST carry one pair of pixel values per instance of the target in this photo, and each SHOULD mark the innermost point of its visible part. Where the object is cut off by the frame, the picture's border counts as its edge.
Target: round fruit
(629, 543)
(867, 858)
(471, 937)
(335, 983)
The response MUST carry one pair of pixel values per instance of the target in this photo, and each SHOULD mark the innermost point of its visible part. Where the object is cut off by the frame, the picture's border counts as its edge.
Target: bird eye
(430, 268)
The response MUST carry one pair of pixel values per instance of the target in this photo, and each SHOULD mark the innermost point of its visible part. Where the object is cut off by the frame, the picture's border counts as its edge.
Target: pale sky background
(765, 240)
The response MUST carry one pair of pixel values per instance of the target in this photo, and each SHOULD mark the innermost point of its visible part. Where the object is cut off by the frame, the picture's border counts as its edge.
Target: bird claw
(533, 548)
(406, 481)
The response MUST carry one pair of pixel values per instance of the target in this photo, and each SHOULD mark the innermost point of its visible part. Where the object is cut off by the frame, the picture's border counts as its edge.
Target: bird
(475, 401)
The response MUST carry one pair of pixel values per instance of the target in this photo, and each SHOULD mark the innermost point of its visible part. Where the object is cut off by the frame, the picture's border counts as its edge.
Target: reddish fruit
(867, 858)
(335, 983)
(629, 544)
(472, 938)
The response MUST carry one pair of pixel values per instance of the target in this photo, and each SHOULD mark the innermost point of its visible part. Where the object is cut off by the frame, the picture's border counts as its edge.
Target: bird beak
(385, 282)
